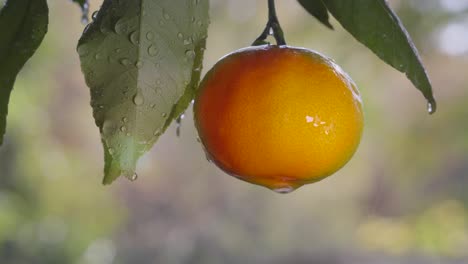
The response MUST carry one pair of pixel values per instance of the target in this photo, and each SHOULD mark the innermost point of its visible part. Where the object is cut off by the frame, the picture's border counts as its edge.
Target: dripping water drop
(431, 107)
(283, 190)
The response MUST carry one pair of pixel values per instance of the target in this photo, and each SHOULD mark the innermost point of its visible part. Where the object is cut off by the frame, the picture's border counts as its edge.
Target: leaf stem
(273, 26)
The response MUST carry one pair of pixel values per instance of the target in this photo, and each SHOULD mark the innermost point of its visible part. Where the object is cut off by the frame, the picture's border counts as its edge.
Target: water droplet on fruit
(283, 190)
(163, 114)
(208, 157)
(123, 128)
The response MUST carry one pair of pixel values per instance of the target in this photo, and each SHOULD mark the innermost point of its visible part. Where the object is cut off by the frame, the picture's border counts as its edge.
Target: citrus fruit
(278, 116)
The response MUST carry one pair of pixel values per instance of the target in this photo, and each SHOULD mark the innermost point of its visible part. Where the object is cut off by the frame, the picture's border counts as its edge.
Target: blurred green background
(403, 198)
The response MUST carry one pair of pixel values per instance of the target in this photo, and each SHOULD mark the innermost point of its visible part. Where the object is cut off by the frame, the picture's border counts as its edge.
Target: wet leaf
(374, 24)
(23, 24)
(142, 62)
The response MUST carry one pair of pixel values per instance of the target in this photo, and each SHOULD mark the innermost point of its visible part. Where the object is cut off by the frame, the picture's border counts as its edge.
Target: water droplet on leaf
(108, 127)
(120, 27)
(149, 35)
(134, 37)
(124, 61)
(431, 107)
(94, 15)
(190, 54)
(188, 41)
(138, 99)
(139, 64)
(82, 50)
(131, 176)
(152, 50)
(179, 124)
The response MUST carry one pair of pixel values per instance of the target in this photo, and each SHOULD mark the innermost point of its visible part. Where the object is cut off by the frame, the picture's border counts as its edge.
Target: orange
(278, 116)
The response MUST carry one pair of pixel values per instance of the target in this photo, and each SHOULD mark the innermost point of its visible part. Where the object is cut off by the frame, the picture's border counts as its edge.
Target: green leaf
(317, 9)
(374, 24)
(23, 24)
(84, 5)
(142, 61)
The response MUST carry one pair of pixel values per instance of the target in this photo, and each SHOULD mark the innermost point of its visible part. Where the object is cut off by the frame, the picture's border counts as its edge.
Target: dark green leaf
(23, 24)
(84, 5)
(142, 61)
(318, 9)
(374, 24)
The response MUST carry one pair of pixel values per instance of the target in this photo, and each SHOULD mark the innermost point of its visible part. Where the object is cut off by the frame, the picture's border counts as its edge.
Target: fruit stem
(272, 25)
